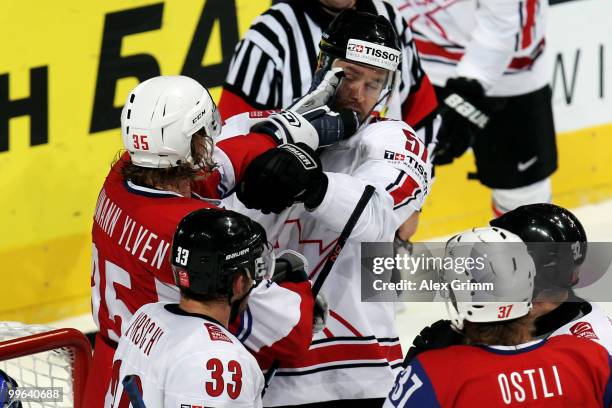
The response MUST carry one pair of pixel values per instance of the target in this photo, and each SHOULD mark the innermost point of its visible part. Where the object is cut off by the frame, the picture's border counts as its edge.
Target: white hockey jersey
(501, 43)
(594, 325)
(358, 353)
(183, 359)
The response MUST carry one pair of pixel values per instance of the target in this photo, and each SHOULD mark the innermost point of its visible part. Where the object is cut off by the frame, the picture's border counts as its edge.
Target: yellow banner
(66, 69)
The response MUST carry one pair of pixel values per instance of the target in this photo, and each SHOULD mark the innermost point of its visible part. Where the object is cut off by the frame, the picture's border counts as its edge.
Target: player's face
(361, 87)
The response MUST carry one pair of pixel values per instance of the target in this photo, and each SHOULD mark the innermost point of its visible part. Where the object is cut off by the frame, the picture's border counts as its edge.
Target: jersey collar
(573, 308)
(517, 349)
(148, 191)
(175, 309)
(155, 193)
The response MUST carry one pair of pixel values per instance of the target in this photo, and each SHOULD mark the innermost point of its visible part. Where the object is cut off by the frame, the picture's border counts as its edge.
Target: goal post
(38, 356)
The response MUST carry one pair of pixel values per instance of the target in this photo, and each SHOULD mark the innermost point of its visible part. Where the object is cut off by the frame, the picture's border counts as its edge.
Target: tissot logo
(375, 51)
(389, 155)
(372, 54)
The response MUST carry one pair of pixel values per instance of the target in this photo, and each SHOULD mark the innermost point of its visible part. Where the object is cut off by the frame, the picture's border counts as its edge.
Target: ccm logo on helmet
(198, 117)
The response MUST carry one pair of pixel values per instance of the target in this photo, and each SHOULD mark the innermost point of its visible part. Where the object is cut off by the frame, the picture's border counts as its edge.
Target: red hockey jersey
(562, 371)
(132, 234)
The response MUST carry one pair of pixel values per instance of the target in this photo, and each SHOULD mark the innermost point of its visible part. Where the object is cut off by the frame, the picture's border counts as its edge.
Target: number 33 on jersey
(182, 359)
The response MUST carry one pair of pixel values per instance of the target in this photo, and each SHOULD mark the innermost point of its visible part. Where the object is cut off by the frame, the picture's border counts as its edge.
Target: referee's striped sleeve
(252, 82)
(274, 62)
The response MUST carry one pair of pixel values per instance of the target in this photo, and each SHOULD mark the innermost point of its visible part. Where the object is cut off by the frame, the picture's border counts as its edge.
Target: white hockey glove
(321, 94)
(290, 266)
(309, 120)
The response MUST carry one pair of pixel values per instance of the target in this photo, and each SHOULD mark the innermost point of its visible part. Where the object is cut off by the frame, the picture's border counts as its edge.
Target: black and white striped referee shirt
(273, 64)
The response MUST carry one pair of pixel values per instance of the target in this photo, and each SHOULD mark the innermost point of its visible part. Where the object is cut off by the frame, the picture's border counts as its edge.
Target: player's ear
(241, 284)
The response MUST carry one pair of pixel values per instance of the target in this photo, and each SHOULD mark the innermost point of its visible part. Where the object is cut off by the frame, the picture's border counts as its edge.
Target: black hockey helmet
(211, 245)
(358, 25)
(556, 238)
(365, 39)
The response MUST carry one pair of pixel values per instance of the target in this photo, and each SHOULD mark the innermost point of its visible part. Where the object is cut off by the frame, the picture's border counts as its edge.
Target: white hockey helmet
(161, 115)
(500, 259)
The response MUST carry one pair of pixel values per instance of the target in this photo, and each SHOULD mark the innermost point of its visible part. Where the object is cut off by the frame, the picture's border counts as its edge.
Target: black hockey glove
(438, 335)
(333, 127)
(463, 115)
(280, 177)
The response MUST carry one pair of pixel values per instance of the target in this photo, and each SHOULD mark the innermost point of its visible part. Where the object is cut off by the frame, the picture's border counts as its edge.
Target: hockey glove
(309, 120)
(320, 314)
(463, 116)
(331, 126)
(322, 90)
(290, 266)
(288, 127)
(279, 177)
(438, 335)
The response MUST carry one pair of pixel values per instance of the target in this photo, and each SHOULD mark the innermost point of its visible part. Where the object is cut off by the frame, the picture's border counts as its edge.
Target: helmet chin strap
(456, 318)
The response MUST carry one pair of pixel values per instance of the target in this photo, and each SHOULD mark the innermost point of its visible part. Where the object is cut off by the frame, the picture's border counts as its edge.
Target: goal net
(50, 366)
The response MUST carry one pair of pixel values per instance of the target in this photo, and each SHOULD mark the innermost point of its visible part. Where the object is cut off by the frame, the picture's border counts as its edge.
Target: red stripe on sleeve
(529, 22)
(429, 48)
(344, 323)
(405, 190)
(297, 341)
(231, 104)
(241, 150)
(420, 104)
(347, 353)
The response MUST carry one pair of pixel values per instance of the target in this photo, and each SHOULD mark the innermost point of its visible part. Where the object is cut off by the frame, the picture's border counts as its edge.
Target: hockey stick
(131, 386)
(329, 263)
